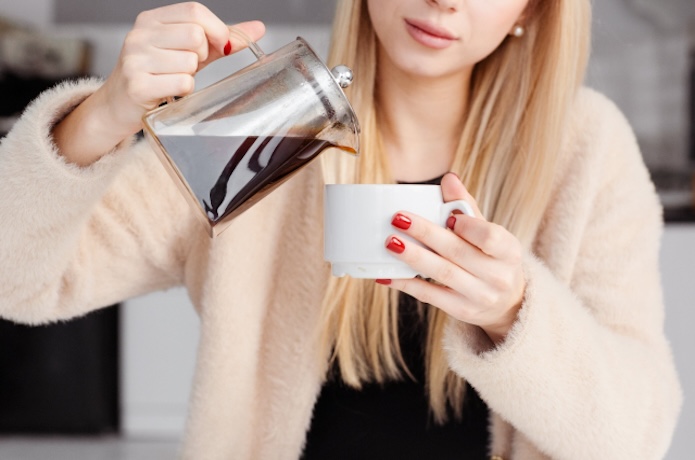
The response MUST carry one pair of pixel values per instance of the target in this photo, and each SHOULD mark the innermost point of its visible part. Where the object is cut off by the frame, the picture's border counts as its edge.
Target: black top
(393, 420)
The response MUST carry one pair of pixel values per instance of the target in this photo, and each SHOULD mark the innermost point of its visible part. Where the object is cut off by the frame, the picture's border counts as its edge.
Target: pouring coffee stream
(230, 144)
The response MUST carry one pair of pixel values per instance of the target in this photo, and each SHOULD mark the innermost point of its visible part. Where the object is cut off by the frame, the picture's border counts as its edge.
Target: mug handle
(252, 45)
(456, 205)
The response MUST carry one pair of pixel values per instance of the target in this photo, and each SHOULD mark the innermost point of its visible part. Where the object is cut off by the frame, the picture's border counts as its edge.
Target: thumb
(453, 189)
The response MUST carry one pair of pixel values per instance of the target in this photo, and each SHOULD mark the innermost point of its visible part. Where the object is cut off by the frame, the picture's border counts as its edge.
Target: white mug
(357, 221)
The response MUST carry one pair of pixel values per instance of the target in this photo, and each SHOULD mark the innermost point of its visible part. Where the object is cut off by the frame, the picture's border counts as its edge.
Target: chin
(432, 70)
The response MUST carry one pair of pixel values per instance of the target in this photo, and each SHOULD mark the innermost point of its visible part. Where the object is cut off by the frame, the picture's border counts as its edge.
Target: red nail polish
(395, 245)
(385, 282)
(450, 222)
(228, 48)
(401, 221)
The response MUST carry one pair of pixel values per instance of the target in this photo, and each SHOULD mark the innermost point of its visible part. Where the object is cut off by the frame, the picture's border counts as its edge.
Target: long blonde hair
(517, 112)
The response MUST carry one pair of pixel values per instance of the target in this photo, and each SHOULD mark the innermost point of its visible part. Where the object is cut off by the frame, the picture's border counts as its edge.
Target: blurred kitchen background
(114, 385)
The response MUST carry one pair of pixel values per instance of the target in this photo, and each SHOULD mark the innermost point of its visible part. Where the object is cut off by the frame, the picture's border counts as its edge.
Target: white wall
(678, 275)
(35, 12)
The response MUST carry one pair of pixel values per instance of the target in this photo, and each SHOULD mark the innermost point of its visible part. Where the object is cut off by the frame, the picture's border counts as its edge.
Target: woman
(541, 319)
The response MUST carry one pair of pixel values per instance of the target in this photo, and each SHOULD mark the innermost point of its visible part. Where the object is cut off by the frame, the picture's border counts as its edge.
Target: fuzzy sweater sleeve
(75, 238)
(586, 371)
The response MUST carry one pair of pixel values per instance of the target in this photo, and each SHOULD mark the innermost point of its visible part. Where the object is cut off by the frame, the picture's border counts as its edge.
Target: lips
(429, 34)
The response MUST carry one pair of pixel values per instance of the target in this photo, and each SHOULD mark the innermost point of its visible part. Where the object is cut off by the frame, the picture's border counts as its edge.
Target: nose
(446, 5)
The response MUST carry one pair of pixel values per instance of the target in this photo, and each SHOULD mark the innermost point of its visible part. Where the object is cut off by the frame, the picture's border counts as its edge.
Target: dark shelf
(681, 214)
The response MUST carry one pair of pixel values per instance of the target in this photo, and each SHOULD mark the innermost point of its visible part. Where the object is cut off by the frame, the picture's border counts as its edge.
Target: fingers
(173, 43)
(473, 244)
(214, 28)
(193, 27)
(166, 47)
(163, 61)
(478, 292)
(439, 267)
(179, 37)
(476, 264)
(490, 238)
(451, 302)
(148, 77)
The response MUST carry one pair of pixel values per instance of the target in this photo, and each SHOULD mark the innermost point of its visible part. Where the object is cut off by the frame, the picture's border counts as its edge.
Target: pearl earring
(518, 31)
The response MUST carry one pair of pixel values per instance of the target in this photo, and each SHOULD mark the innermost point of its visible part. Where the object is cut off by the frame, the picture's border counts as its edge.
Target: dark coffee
(227, 174)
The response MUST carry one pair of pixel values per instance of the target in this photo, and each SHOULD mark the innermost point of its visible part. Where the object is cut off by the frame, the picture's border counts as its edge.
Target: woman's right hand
(162, 53)
(160, 56)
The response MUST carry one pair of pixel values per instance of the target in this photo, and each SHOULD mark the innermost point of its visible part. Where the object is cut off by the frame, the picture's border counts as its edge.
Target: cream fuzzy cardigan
(586, 372)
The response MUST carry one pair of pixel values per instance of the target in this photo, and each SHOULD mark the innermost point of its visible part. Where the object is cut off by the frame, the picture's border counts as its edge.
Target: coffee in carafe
(230, 144)
(239, 168)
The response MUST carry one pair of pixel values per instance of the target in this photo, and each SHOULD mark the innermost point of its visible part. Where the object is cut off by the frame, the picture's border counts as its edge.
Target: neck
(421, 119)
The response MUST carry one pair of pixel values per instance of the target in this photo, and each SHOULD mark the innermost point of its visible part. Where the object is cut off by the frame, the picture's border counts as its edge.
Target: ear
(519, 28)
(527, 13)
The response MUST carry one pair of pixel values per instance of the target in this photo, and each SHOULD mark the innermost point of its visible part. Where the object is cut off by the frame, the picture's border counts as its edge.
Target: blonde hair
(517, 112)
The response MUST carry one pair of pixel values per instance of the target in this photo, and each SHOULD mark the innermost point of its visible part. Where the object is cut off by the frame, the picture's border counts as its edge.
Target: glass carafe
(233, 142)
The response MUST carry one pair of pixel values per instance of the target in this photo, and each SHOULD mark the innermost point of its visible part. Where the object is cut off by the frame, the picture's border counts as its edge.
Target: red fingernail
(402, 222)
(395, 245)
(383, 281)
(228, 48)
(450, 222)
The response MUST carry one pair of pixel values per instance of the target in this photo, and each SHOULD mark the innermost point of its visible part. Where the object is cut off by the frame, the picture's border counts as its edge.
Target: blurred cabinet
(31, 62)
(60, 378)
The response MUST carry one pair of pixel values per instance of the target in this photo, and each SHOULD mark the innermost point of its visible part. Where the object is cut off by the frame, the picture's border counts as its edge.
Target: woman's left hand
(476, 264)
